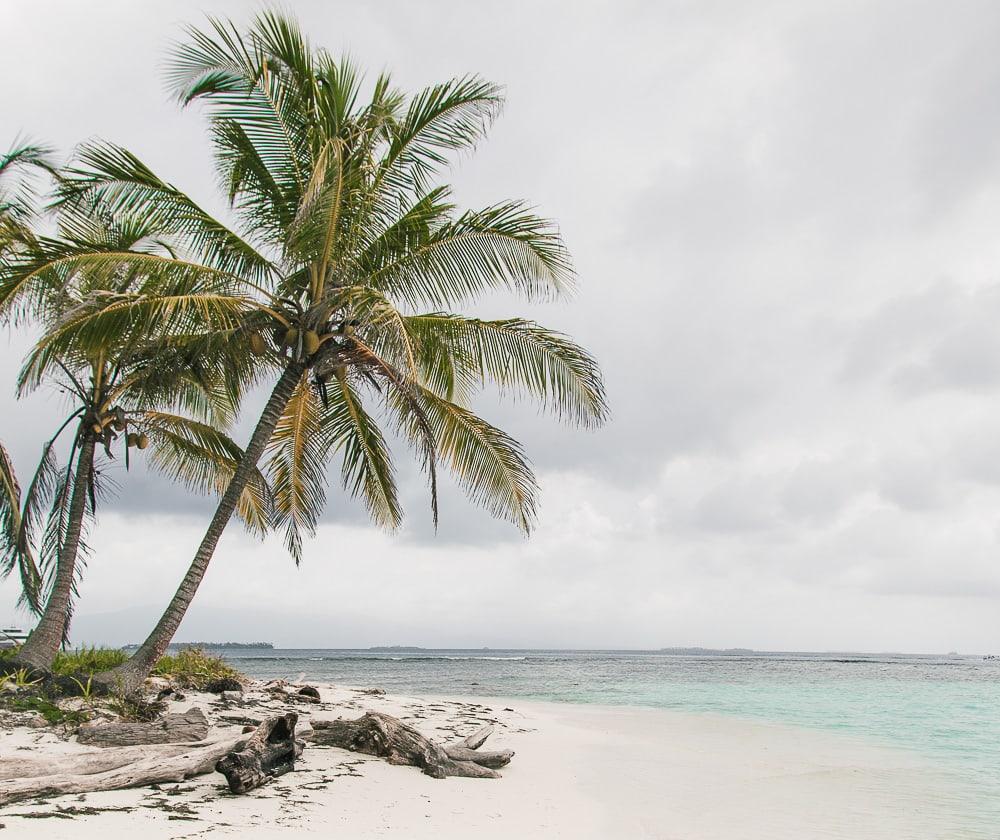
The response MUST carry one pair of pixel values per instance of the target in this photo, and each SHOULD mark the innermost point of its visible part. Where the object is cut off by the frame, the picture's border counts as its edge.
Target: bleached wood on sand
(84, 774)
(389, 738)
(179, 728)
(122, 767)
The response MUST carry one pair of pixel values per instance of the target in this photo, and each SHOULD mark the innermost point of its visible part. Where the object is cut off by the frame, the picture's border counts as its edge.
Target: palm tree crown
(341, 271)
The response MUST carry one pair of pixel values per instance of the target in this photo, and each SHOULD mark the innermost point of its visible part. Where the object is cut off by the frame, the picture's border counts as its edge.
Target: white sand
(580, 772)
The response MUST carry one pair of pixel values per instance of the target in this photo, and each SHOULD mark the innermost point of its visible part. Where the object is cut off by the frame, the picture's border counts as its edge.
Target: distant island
(700, 651)
(215, 645)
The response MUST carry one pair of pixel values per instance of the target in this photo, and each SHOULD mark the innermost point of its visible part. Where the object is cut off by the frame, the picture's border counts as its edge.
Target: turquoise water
(946, 709)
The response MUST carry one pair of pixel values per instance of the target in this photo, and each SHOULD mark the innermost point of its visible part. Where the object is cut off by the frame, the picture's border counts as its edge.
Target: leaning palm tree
(18, 215)
(348, 260)
(122, 397)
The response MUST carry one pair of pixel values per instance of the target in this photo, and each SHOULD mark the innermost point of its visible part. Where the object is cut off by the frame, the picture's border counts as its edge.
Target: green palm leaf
(12, 554)
(204, 460)
(366, 463)
(296, 467)
(501, 247)
(487, 463)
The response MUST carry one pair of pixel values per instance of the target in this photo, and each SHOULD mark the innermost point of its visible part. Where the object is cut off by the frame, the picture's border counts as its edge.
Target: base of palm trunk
(42, 677)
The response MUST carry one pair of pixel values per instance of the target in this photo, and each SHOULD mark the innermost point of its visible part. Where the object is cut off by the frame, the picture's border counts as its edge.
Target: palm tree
(18, 213)
(342, 279)
(122, 397)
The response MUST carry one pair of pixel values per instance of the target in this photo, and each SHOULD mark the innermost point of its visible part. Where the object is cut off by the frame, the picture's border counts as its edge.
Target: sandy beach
(579, 772)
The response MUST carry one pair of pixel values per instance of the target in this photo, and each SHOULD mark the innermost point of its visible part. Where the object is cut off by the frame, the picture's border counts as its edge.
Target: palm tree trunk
(40, 649)
(128, 676)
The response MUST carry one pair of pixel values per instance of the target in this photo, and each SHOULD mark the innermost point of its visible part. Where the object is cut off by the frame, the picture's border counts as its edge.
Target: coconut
(310, 341)
(132, 439)
(257, 344)
(118, 425)
(143, 441)
(97, 428)
(291, 337)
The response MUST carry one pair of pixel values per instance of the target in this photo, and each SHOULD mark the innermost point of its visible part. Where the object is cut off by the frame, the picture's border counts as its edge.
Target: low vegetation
(193, 668)
(189, 668)
(53, 714)
(87, 661)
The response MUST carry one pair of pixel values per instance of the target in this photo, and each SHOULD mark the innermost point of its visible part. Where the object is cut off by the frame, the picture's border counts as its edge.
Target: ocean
(946, 708)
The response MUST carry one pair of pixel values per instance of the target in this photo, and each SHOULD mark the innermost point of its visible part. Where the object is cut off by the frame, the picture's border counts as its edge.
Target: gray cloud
(784, 220)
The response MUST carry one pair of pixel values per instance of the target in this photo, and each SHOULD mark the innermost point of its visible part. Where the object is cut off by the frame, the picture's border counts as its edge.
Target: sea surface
(946, 708)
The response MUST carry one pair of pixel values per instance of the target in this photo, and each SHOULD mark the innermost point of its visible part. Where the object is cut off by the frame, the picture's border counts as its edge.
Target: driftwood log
(179, 728)
(269, 752)
(101, 770)
(389, 738)
(115, 768)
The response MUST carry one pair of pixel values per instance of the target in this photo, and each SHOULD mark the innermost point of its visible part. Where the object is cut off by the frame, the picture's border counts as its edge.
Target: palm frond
(12, 555)
(296, 466)
(366, 463)
(116, 181)
(501, 247)
(487, 463)
(444, 118)
(517, 355)
(204, 460)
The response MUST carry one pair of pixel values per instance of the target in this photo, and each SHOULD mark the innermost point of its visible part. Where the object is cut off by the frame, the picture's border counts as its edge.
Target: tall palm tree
(349, 259)
(121, 397)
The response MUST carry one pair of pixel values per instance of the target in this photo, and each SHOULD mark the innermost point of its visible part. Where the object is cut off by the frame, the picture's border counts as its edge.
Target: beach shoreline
(579, 771)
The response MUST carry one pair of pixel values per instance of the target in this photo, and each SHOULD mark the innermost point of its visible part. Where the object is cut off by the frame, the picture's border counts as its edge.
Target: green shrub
(87, 661)
(193, 668)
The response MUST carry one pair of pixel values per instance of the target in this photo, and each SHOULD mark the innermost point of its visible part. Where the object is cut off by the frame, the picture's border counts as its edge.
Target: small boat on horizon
(11, 637)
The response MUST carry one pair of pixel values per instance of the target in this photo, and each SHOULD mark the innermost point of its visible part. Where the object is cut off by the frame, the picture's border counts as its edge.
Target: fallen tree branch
(154, 768)
(87, 762)
(389, 738)
(126, 767)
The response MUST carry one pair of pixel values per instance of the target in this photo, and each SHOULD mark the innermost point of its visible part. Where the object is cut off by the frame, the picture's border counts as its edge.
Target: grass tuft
(193, 668)
(87, 661)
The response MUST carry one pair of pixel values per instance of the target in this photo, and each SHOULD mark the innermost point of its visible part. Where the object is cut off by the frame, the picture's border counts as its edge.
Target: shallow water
(944, 708)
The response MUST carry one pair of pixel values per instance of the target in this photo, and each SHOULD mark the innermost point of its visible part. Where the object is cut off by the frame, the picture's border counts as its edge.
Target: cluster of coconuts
(289, 339)
(310, 339)
(114, 421)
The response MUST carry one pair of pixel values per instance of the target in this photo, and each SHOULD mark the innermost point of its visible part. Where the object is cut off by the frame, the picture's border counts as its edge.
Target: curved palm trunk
(41, 647)
(128, 676)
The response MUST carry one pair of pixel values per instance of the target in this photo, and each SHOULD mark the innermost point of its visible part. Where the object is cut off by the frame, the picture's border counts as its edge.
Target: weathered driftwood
(389, 738)
(269, 752)
(180, 728)
(87, 762)
(126, 767)
(112, 769)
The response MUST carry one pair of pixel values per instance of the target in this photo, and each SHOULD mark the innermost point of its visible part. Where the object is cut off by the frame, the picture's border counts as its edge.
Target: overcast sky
(785, 218)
